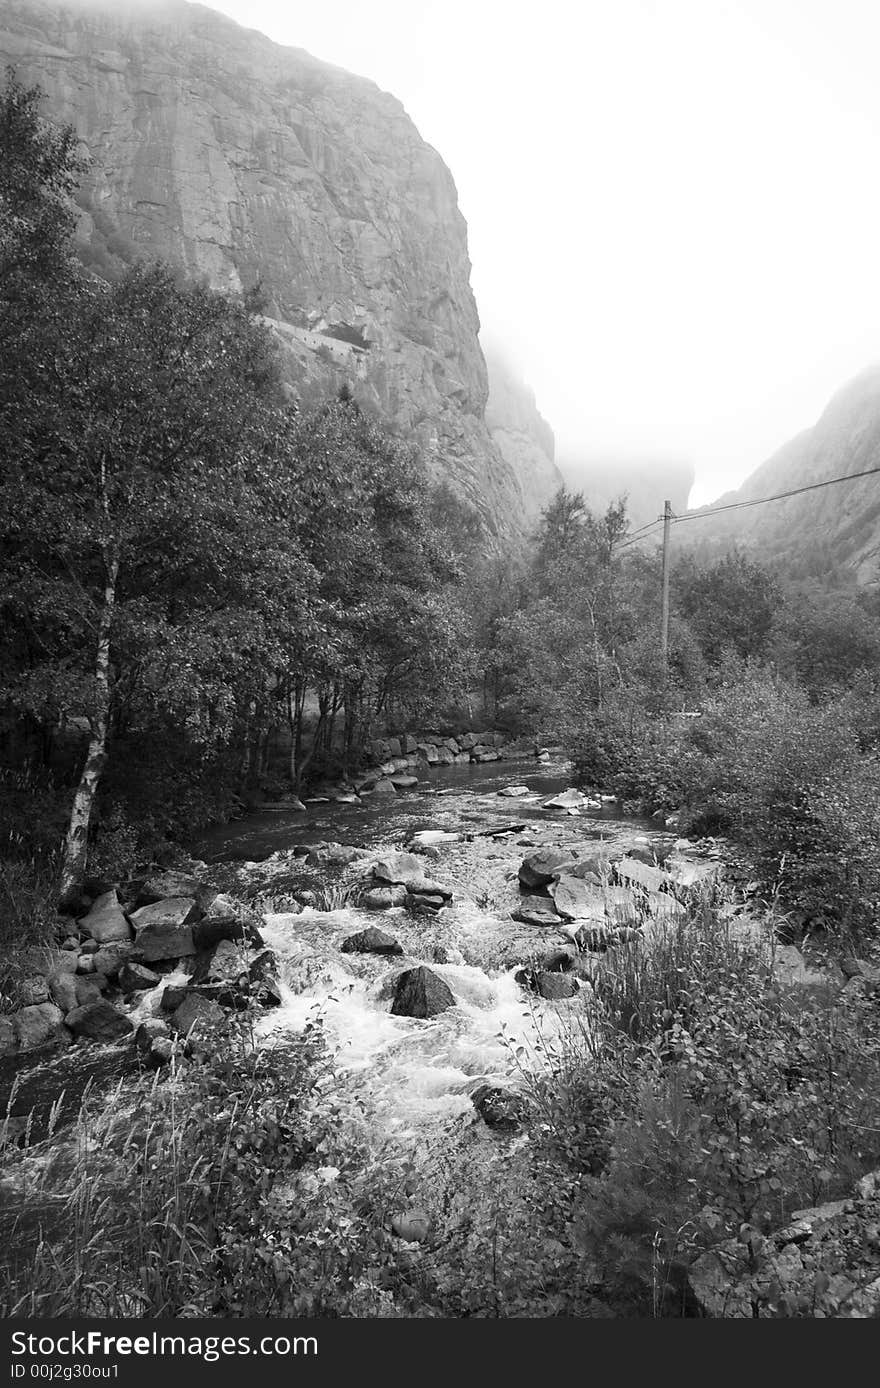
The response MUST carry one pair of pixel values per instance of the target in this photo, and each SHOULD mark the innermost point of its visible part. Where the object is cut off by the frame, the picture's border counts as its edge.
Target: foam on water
(410, 1073)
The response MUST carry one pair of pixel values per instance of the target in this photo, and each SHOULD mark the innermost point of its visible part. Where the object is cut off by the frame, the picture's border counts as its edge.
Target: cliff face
(522, 436)
(837, 526)
(248, 163)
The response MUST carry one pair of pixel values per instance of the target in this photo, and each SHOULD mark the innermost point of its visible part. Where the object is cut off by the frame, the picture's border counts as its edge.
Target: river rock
(576, 899)
(224, 919)
(383, 898)
(225, 964)
(398, 868)
(401, 782)
(39, 1025)
(163, 930)
(197, 1015)
(149, 1031)
(499, 1106)
(641, 874)
(33, 990)
(62, 988)
(547, 983)
(136, 978)
(540, 868)
(162, 885)
(110, 958)
(173, 994)
(105, 921)
(536, 910)
(384, 787)
(371, 941)
(428, 903)
(420, 993)
(565, 800)
(620, 906)
(514, 792)
(99, 1021)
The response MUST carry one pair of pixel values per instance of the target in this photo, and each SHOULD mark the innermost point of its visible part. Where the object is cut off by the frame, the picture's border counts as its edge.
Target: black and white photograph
(439, 674)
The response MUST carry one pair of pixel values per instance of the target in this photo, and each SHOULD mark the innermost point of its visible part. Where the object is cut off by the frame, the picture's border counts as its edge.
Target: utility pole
(664, 602)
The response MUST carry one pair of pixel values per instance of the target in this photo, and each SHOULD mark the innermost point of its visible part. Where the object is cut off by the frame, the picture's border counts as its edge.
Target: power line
(780, 496)
(638, 535)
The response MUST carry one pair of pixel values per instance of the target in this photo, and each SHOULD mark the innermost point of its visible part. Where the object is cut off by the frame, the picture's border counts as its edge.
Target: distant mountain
(647, 483)
(837, 526)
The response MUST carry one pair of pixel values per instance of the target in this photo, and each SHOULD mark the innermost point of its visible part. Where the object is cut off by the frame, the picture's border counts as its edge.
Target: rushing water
(411, 1075)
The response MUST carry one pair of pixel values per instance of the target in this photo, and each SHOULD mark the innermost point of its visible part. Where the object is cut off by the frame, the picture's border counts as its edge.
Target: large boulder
(420, 993)
(159, 886)
(99, 1021)
(577, 899)
(548, 983)
(640, 874)
(383, 787)
(514, 792)
(398, 868)
(109, 959)
(540, 868)
(383, 898)
(136, 978)
(164, 930)
(197, 1015)
(37, 1026)
(536, 910)
(106, 920)
(371, 941)
(565, 800)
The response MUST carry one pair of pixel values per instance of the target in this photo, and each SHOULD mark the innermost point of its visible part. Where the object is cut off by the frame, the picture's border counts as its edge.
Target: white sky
(673, 205)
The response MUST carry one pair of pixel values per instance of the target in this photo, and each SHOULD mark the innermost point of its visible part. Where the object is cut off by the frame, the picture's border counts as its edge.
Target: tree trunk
(76, 844)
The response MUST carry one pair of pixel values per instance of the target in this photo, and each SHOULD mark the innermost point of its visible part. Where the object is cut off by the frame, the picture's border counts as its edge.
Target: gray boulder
(383, 898)
(540, 868)
(577, 899)
(105, 921)
(136, 978)
(398, 868)
(420, 993)
(39, 1025)
(164, 930)
(162, 885)
(197, 1015)
(371, 941)
(99, 1021)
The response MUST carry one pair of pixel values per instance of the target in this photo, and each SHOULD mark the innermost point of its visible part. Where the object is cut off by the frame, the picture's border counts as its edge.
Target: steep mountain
(521, 434)
(252, 164)
(836, 526)
(646, 482)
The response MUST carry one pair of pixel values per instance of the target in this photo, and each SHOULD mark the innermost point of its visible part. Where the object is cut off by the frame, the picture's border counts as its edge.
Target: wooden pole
(664, 601)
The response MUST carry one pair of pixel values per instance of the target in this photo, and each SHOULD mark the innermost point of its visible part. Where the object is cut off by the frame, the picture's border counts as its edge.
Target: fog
(673, 206)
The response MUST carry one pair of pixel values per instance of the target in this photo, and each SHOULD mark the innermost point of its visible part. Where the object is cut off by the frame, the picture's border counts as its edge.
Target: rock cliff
(253, 164)
(836, 526)
(522, 435)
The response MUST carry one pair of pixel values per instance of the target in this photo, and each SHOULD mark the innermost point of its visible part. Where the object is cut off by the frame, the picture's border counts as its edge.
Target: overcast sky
(673, 205)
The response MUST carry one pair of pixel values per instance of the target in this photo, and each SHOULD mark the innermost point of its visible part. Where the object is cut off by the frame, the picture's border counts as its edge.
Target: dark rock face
(371, 941)
(420, 993)
(243, 161)
(548, 983)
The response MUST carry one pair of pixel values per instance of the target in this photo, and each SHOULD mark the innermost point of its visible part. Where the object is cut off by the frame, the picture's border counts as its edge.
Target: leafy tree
(729, 605)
